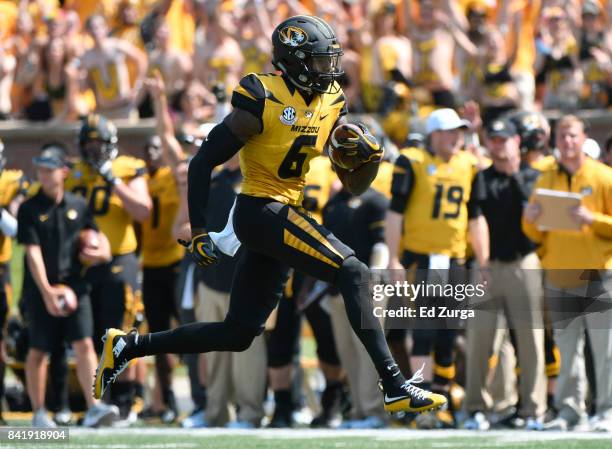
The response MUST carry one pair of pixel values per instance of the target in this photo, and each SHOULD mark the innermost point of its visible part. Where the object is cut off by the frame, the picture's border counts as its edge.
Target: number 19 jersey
(436, 213)
(274, 162)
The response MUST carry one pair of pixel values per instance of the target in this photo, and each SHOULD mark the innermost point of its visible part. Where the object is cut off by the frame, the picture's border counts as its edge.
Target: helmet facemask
(97, 151)
(316, 72)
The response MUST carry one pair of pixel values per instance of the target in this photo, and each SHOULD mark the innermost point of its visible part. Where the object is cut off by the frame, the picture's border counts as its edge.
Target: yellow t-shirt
(12, 183)
(182, 25)
(8, 19)
(159, 247)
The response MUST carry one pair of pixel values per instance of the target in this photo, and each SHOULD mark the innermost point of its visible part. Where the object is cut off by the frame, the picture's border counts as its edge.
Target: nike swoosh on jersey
(322, 117)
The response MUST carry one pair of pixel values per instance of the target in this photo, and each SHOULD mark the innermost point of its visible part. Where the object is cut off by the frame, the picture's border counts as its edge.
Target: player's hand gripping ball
(352, 145)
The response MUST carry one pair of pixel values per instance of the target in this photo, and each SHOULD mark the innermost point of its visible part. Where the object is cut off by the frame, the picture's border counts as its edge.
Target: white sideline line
(382, 434)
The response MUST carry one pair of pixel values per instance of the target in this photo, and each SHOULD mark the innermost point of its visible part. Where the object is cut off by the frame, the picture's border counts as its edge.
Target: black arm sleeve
(402, 184)
(220, 145)
(477, 196)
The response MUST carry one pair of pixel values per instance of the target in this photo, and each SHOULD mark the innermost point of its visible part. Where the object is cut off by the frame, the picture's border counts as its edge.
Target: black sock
(138, 389)
(390, 374)
(550, 401)
(283, 401)
(168, 398)
(122, 395)
(354, 284)
(330, 399)
(192, 338)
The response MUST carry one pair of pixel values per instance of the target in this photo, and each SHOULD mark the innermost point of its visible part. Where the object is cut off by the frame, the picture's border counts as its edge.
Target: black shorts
(5, 295)
(115, 295)
(46, 331)
(277, 236)
(159, 295)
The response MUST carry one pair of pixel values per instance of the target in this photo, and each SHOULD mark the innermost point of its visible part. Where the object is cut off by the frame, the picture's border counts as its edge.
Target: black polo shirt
(358, 222)
(224, 187)
(505, 198)
(55, 228)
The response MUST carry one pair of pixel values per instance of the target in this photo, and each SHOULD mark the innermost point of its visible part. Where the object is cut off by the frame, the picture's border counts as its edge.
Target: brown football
(343, 146)
(88, 238)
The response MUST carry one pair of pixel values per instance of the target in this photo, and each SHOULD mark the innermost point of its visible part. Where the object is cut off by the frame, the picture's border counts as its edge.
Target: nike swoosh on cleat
(389, 400)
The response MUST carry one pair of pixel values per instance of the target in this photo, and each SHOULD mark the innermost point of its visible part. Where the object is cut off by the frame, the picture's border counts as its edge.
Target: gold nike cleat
(410, 398)
(112, 361)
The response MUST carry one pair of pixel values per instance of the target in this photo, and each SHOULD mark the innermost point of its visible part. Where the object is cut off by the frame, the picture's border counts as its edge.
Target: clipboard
(555, 209)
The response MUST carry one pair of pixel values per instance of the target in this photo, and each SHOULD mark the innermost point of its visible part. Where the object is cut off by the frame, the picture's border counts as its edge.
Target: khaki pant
(362, 376)
(241, 375)
(517, 288)
(502, 380)
(572, 383)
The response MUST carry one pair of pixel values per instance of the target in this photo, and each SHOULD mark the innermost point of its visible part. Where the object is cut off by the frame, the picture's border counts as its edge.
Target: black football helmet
(2, 157)
(533, 130)
(97, 140)
(306, 50)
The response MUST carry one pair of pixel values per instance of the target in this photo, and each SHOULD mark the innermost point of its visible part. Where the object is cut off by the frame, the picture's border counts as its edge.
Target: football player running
(280, 122)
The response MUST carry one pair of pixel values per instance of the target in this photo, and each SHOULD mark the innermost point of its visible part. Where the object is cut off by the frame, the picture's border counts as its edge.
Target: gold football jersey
(436, 217)
(108, 210)
(12, 183)
(159, 247)
(384, 177)
(274, 163)
(318, 185)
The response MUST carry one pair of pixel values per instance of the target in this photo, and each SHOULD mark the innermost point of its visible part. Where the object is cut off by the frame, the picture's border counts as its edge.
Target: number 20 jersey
(274, 163)
(108, 210)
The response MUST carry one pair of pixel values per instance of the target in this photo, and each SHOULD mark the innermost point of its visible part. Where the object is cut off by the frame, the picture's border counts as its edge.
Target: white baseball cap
(591, 148)
(444, 120)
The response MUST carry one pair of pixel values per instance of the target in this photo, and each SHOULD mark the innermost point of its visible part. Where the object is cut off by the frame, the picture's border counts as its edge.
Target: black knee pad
(352, 272)
(241, 336)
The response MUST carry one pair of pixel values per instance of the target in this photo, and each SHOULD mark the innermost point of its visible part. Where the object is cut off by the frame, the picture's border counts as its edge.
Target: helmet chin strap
(302, 87)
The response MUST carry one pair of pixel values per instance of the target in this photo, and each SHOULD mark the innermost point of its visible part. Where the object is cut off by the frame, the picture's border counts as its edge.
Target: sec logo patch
(289, 116)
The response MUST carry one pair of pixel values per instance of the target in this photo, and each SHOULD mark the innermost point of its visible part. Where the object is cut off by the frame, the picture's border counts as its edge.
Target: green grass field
(157, 438)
